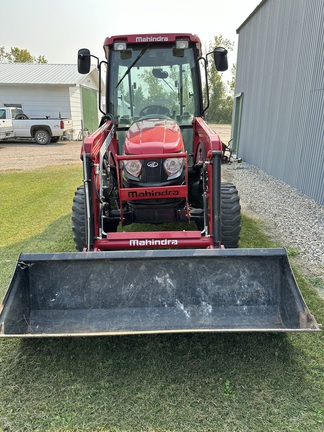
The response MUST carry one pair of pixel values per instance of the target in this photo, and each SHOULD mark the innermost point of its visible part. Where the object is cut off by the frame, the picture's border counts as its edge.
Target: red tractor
(153, 160)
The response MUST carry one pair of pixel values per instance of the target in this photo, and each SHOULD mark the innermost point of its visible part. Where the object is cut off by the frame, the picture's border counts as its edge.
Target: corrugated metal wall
(280, 71)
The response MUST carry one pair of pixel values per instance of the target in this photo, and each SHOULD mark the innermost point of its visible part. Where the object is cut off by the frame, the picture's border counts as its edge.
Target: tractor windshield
(153, 81)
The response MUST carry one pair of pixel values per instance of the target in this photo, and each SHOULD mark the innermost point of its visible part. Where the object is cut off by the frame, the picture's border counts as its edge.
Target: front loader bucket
(108, 293)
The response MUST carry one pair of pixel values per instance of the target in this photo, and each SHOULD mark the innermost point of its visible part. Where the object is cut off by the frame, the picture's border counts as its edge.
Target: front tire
(42, 137)
(79, 220)
(231, 216)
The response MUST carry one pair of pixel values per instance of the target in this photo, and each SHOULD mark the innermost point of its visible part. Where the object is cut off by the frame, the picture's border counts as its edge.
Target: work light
(120, 46)
(182, 44)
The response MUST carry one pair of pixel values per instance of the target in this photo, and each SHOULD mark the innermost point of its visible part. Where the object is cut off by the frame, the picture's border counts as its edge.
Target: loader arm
(210, 146)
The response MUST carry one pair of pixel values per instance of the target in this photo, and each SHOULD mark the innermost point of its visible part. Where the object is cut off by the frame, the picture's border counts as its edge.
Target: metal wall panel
(280, 70)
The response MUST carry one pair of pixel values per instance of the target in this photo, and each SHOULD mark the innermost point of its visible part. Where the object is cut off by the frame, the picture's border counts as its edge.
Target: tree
(232, 82)
(220, 104)
(17, 55)
(2, 54)
(41, 60)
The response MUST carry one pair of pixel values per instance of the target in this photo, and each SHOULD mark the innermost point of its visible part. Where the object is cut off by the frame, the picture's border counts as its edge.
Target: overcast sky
(58, 28)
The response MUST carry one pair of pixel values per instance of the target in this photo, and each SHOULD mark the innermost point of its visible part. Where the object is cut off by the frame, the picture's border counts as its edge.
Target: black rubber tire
(231, 216)
(42, 137)
(79, 220)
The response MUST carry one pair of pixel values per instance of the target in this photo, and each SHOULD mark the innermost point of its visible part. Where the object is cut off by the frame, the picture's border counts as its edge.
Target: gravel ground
(289, 217)
(29, 155)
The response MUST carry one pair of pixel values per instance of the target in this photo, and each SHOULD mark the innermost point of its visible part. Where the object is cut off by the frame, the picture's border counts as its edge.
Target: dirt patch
(28, 155)
(223, 130)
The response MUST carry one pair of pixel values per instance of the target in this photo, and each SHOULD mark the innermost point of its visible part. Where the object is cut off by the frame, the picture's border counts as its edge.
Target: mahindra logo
(152, 164)
(152, 39)
(153, 194)
(153, 242)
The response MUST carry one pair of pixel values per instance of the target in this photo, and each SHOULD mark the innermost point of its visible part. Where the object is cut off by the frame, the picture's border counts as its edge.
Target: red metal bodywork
(151, 136)
(152, 38)
(141, 140)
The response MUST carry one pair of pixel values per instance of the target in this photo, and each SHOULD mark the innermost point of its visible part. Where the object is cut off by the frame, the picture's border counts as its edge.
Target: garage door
(90, 109)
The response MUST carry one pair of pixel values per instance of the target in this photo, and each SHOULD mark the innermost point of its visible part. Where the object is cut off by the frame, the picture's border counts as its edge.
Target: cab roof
(152, 38)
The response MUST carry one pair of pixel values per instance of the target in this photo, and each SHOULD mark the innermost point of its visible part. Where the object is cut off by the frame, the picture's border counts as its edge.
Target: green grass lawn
(151, 383)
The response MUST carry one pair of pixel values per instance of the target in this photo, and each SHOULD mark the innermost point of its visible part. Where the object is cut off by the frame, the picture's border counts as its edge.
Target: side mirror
(220, 57)
(84, 61)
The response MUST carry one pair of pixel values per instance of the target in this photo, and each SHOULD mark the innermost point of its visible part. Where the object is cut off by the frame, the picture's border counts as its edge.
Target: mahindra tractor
(156, 230)
(154, 160)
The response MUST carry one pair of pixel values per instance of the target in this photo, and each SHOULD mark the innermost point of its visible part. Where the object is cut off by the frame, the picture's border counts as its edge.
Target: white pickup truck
(15, 125)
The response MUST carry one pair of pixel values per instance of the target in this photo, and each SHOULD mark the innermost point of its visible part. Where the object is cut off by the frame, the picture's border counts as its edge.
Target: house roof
(34, 73)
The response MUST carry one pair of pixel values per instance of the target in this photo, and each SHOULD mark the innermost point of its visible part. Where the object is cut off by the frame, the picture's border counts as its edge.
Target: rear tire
(79, 220)
(42, 137)
(231, 216)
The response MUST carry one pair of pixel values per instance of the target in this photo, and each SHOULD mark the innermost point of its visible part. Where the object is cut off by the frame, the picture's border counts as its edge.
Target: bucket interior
(156, 292)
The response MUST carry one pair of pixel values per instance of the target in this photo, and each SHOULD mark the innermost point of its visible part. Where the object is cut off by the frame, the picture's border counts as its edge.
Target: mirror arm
(206, 81)
(98, 61)
(99, 89)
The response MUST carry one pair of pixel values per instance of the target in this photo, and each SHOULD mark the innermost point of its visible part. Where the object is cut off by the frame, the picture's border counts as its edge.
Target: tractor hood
(153, 136)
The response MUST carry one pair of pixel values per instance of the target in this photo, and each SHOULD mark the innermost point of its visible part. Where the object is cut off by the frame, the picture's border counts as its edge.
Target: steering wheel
(155, 109)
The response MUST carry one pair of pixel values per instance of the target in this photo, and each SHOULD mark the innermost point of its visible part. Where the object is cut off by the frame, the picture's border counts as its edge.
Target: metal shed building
(50, 90)
(278, 120)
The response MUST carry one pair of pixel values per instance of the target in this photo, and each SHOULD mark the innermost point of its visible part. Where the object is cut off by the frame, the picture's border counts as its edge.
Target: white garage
(52, 90)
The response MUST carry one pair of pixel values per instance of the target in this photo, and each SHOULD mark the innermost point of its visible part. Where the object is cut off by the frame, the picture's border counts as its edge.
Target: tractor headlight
(173, 166)
(133, 167)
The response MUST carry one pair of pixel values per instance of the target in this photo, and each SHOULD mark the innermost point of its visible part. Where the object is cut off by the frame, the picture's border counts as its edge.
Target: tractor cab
(154, 76)
(154, 79)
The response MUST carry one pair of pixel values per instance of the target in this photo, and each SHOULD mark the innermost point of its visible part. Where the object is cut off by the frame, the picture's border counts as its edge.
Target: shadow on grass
(175, 382)
(171, 359)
